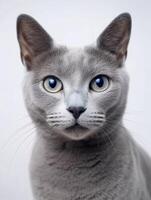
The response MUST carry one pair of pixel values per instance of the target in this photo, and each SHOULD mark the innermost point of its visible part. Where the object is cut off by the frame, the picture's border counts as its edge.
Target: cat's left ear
(115, 37)
(32, 38)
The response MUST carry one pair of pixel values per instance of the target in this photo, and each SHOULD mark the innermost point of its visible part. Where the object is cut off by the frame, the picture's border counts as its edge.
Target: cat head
(75, 93)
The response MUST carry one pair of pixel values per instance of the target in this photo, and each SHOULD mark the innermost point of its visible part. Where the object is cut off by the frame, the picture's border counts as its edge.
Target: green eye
(99, 83)
(52, 84)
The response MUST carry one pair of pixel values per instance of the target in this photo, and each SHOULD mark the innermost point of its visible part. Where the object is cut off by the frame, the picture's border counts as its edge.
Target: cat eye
(52, 84)
(100, 83)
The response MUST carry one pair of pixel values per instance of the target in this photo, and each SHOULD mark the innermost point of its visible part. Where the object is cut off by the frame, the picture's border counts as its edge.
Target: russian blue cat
(76, 98)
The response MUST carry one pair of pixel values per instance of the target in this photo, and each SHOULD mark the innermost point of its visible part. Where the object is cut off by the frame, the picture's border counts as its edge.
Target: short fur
(100, 161)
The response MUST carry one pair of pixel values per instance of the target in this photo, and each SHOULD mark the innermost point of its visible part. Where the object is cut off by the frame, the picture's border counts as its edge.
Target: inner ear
(115, 37)
(32, 38)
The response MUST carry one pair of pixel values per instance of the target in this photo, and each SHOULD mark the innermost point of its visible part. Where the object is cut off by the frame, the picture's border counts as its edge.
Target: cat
(76, 98)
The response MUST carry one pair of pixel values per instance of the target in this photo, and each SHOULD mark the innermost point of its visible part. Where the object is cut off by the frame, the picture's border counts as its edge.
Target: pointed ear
(32, 38)
(115, 37)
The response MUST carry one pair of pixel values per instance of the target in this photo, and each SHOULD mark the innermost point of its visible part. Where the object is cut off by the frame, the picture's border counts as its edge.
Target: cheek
(110, 99)
(50, 103)
(105, 100)
(43, 100)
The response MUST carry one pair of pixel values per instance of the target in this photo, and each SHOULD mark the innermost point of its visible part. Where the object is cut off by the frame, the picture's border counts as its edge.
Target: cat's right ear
(32, 38)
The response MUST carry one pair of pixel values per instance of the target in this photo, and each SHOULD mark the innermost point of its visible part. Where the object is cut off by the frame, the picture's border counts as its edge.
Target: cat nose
(76, 111)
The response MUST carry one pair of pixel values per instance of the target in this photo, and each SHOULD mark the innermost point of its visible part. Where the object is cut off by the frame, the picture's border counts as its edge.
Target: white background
(74, 23)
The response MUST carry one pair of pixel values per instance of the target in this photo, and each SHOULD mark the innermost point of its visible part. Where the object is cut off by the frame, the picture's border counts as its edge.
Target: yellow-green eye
(52, 84)
(99, 83)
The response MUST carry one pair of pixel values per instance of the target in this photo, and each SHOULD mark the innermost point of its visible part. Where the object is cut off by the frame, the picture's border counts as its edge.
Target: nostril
(76, 111)
(81, 109)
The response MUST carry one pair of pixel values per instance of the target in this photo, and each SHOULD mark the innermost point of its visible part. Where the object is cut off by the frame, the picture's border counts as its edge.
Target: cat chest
(66, 178)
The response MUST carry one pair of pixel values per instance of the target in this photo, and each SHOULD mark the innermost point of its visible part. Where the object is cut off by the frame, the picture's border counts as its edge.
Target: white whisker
(94, 116)
(59, 121)
(18, 133)
(51, 117)
(54, 114)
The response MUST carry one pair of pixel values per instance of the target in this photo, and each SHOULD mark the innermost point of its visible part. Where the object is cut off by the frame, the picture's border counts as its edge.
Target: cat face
(76, 93)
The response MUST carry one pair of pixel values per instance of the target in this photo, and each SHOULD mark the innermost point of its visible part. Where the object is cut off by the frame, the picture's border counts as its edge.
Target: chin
(77, 133)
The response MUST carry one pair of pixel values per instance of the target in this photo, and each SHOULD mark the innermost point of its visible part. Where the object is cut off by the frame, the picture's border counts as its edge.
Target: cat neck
(98, 164)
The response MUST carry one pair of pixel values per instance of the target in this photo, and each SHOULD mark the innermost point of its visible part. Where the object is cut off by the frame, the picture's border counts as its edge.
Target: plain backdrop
(74, 23)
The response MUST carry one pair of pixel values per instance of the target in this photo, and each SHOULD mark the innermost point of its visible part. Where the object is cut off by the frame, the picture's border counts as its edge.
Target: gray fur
(100, 161)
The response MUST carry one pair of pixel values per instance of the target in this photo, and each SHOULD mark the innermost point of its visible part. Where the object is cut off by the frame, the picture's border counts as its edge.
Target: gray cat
(76, 99)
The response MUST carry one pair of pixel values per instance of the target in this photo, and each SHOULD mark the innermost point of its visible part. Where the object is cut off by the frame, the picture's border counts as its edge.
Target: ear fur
(115, 37)
(32, 38)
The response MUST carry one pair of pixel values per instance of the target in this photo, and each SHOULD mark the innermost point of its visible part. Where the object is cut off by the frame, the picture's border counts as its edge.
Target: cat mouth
(76, 132)
(76, 127)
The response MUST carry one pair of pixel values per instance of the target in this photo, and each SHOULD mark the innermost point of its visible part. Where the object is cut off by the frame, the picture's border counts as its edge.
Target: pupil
(52, 83)
(99, 82)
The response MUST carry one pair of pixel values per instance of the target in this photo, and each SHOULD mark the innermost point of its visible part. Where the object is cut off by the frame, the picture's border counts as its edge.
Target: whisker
(19, 147)
(101, 117)
(108, 136)
(100, 113)
(134, 112)
(129, 120)
(20, 132)
(52, 114)
(24, 117)
(92, 121)
(54, 117)
(59, 121)
(56, 124)
(95, 124)
(97, 121)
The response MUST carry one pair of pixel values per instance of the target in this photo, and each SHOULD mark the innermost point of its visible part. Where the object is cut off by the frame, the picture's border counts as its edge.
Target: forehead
(82, 61)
